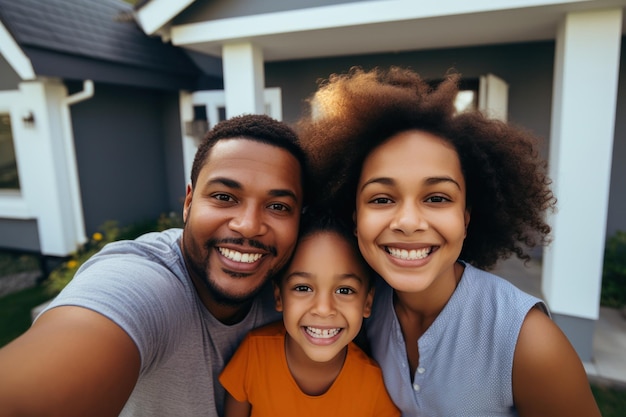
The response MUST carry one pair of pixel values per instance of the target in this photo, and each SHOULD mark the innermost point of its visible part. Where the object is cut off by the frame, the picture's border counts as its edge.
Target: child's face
(324, 296)
(410, 210)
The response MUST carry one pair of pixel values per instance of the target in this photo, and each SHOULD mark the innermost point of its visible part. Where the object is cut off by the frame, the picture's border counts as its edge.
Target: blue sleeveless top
(465, 356)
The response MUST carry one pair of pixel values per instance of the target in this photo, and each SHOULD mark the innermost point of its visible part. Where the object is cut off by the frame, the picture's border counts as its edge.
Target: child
(437, 195)
(307, 365)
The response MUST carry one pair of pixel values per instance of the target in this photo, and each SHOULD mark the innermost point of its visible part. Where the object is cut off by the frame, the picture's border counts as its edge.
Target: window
(9, 179)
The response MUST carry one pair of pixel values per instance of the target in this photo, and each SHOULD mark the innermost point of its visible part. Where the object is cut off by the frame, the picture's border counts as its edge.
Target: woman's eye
(437, 199)
(345, 291)
(302, 288)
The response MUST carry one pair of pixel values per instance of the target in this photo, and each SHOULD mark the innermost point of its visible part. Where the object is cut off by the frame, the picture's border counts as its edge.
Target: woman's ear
(467, 219)
(277, 298)
(354, 222)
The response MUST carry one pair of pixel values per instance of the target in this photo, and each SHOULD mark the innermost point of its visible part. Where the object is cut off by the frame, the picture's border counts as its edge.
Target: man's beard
(200, 269)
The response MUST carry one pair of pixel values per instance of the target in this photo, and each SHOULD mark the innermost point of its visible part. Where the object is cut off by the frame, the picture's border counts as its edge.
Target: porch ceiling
(436, 32)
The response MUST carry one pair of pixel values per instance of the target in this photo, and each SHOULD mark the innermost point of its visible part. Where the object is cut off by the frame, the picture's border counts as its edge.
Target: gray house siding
(19, 235)
(526, 67)
(127, 161)
(8, 78)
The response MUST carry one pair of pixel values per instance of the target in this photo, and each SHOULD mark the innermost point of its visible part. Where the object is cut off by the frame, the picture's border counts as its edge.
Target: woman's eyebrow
(438, 180)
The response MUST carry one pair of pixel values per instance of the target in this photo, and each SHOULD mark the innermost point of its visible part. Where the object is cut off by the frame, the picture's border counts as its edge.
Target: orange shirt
(258, 373)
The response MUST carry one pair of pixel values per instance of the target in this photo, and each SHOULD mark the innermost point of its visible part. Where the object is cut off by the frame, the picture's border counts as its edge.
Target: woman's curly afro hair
(508, 191)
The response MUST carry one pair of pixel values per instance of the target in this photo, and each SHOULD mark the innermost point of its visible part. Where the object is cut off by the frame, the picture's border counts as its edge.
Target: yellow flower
(72, 264)
(97, 236)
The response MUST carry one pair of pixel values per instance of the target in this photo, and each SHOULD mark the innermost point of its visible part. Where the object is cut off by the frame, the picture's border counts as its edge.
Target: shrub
(109, 232)
(614, 271)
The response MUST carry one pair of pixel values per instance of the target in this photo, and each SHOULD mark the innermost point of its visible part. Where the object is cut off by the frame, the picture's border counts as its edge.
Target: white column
(583, 118)
(244, 79)
(45, 180)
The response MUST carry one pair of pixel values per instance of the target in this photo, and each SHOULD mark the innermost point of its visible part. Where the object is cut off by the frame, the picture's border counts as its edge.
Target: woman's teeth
(410, 255)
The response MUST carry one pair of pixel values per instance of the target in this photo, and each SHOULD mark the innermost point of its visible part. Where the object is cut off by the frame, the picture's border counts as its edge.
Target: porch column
(583, 118)
(244, 79)
(49, 177)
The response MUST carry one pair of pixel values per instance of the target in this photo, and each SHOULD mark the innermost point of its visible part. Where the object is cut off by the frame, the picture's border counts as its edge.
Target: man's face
(241, 219)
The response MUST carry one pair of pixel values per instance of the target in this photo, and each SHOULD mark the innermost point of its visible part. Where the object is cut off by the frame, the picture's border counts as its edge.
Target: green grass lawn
(15, 311)
(15, 319)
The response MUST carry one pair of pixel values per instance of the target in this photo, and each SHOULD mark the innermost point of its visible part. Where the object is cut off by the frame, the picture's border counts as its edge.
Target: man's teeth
(240, 257)
(322, 333)
(410, 255)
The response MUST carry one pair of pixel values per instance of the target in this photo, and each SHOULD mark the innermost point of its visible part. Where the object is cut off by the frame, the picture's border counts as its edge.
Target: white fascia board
(341, 15)
(157, 14)
(14, 55)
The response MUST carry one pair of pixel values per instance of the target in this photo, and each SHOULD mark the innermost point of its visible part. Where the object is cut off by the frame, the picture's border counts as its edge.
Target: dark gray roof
(89, 29)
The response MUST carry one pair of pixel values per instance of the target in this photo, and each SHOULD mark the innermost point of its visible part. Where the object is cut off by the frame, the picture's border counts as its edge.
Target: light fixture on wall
(28, 118)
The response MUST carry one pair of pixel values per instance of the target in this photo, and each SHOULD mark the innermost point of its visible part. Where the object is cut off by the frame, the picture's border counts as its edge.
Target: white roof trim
(340, 15)
(15, 56)
(157, 14)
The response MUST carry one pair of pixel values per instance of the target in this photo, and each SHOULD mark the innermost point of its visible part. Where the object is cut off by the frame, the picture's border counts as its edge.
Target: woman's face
(410, 215)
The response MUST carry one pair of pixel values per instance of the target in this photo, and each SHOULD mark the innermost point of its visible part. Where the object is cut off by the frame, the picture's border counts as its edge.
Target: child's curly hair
(508, 190)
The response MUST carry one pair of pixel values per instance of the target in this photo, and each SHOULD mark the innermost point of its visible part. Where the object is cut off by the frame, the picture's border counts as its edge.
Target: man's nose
(249, 221)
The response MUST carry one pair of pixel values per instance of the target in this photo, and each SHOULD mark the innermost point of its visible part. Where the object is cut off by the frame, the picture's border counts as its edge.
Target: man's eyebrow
(230, 183)
(226, 182)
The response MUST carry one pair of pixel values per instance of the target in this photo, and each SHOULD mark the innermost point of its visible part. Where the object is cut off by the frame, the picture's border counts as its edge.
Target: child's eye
(345, 291)
(279, 207)
(302, 288)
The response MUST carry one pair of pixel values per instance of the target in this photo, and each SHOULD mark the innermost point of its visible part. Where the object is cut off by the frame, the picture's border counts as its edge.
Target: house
(89, 122)
(551, 66)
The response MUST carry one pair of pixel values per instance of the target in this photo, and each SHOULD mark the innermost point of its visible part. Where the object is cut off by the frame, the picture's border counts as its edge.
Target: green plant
(614, 272)
(15, 310)
(109, 232)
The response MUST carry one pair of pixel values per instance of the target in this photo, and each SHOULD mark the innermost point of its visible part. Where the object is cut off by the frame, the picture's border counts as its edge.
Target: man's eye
(223, 197)
(302, 288)
(345, 291)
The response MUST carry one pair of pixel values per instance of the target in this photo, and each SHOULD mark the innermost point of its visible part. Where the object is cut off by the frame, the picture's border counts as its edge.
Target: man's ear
(277, 298)
(187, 205)
(367, 308)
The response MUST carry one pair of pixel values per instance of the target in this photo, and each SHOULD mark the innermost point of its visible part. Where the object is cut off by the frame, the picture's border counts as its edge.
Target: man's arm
(71, 362)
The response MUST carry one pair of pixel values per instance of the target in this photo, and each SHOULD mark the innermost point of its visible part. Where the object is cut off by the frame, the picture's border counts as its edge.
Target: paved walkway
(608, 363)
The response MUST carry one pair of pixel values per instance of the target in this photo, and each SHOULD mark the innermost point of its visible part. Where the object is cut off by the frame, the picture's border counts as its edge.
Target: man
(146, 326)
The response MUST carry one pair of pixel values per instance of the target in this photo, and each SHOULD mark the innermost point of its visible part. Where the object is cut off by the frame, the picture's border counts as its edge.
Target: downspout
(70, 154)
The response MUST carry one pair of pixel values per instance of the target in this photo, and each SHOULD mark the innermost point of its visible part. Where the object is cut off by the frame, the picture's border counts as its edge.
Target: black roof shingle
(91, 29)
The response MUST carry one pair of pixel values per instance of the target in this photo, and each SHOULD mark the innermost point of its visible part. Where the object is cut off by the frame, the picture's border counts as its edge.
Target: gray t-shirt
(143, 286)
